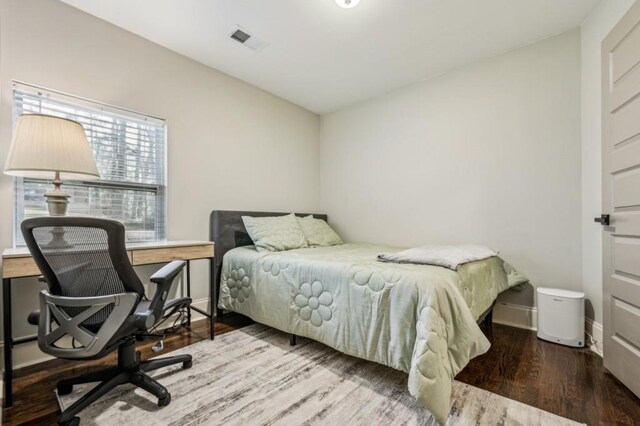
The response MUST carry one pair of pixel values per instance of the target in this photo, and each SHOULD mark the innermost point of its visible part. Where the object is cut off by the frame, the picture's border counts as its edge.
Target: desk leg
(8, 343)
(214, 297)
(188, 279)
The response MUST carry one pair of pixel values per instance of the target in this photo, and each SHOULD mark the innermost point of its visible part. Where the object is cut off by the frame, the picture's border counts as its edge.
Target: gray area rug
(253, 377)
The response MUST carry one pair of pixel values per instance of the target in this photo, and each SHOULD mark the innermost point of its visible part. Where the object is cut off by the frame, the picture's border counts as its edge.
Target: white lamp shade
(43, 145)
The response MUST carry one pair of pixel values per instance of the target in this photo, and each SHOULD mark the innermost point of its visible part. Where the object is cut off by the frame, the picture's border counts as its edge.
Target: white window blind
(130, 152)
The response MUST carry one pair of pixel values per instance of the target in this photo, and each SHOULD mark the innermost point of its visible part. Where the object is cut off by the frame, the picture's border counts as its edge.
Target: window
(130, 151)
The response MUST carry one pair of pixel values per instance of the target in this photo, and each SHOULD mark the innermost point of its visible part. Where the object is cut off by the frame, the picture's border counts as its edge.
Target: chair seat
(169, 306)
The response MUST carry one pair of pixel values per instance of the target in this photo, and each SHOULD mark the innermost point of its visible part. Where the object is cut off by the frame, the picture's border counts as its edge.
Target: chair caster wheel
(64, 389)
(187, 365)
(73, 422)
(163, 402)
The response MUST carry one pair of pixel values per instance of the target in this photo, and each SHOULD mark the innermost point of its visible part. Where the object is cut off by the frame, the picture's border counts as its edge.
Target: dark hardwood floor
(565, 381)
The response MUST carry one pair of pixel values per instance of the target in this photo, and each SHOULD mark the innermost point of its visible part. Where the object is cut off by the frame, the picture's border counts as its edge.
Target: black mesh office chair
(96, 304)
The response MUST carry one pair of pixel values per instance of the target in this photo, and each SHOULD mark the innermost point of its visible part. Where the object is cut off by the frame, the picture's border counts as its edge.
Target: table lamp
(49, 147)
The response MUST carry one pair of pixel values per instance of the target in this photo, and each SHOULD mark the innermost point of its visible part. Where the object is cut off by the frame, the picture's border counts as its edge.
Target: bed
(420, 319)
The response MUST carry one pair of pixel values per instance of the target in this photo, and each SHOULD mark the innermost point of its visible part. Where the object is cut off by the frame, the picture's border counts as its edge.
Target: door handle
(602, 220)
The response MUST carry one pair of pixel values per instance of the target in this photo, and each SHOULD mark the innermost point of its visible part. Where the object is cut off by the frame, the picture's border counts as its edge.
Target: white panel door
(621, 198)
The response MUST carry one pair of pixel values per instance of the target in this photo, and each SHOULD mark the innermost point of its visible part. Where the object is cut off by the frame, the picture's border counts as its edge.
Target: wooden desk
(18, 263)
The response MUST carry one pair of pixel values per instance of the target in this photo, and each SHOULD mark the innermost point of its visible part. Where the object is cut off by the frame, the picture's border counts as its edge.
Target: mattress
(420, 319)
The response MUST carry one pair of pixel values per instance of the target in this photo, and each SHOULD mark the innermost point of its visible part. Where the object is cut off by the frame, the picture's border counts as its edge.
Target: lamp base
(57, 200)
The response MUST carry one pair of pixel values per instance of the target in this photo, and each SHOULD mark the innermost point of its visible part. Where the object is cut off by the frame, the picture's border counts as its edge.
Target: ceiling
(324, 57)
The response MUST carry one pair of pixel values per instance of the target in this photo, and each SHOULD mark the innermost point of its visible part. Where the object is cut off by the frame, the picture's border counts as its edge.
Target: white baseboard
(595, 335)
(515, 315)
(527, 317)
(27, 354)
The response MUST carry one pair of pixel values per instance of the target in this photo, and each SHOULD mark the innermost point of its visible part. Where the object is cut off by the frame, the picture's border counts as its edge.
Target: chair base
(129, 370)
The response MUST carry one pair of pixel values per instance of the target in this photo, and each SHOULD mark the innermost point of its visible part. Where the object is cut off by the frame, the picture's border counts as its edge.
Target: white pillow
(275, 233)
(318, 232)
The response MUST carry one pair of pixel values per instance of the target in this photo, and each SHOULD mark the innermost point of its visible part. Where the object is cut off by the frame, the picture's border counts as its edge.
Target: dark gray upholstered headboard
(227, 231)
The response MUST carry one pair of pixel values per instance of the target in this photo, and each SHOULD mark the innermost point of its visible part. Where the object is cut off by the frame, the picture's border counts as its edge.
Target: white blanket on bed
(446, 256)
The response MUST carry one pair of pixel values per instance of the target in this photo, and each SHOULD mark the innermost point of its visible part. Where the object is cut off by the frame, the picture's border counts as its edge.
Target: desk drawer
(161, 255)
(16, 267)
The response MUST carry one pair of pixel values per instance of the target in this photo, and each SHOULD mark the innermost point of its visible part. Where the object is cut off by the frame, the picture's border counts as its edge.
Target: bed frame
(487, 316)
(227, 231)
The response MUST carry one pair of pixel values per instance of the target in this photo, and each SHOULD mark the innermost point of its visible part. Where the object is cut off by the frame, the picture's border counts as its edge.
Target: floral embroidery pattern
(314, 303)
(375, 280)
(275, 266)
(238, 283)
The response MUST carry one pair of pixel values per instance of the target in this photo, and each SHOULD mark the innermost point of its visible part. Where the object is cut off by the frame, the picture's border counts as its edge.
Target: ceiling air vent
(243, 36)
(240, 36)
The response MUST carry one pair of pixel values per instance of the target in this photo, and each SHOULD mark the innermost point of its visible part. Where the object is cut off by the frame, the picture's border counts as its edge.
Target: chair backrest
(82, 257)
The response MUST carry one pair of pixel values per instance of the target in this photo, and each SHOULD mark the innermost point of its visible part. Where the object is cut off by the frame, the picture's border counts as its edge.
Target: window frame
(160, 190)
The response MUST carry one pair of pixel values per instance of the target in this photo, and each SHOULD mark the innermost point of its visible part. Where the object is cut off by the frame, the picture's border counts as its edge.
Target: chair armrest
(168, 272)
(163, 279)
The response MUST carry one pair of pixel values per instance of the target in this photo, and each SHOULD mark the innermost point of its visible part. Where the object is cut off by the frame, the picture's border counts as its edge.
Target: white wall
(231, 146)
(593, 30)
(486, 154)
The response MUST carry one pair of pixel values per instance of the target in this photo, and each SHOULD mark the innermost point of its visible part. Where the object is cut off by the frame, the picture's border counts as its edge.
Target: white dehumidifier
(561, 316)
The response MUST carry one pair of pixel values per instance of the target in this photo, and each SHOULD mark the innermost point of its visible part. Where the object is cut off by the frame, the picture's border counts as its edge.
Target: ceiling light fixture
(347, 4)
